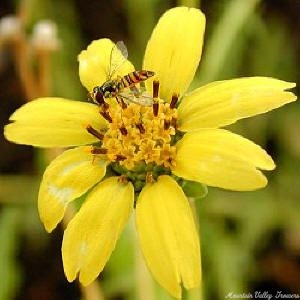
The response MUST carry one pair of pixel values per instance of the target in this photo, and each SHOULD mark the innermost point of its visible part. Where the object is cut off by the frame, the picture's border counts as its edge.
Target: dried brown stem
(23, 68)
(44, 73)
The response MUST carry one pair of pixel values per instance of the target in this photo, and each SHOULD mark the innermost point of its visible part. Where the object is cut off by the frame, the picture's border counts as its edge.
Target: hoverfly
(123, 88)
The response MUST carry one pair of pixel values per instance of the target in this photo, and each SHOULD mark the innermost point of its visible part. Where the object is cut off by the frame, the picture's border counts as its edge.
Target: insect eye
(99, 97)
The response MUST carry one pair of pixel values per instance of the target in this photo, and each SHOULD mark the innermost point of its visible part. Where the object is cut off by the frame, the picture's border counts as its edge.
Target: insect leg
(121, 102)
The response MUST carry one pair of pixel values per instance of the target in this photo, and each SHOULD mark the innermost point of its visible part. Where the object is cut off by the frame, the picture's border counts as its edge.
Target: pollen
(138, 135)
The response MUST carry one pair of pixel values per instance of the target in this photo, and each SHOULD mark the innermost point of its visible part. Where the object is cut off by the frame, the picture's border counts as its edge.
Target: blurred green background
(250, 241)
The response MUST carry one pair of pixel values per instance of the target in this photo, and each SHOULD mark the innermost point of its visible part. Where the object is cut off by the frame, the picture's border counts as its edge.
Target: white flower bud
(44, 36)
(10, 28)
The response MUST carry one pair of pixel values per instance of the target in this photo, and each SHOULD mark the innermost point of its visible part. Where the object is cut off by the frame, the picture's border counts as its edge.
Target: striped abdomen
(135, 77)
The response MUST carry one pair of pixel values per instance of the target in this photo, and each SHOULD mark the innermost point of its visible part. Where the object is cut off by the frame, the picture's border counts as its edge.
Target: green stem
(225, 33)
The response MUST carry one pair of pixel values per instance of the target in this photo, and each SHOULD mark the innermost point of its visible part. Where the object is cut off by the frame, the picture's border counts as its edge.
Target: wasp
(124, 89)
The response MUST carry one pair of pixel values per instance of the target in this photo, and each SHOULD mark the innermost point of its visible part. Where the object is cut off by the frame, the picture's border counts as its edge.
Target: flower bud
(10, 28)
(44, 36)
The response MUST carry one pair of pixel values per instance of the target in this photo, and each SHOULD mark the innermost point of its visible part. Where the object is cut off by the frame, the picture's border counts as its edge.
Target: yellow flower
(146, 149)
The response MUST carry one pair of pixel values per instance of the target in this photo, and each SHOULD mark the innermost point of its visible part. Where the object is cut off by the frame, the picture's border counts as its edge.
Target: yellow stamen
(138, 135)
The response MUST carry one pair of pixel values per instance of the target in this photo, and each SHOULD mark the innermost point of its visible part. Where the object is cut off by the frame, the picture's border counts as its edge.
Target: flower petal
(168, 235)
(174, 50)
(222, 103)
(68, 177)
(97, 62)
(92, 234)
(217, 157)
(54, 122)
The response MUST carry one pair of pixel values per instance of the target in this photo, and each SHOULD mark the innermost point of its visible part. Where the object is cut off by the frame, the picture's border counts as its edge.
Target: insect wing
(143, 99)
(122, 48)
(118, 57)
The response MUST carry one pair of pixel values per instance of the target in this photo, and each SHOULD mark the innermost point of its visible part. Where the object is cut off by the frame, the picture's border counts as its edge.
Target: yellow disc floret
(136, 135)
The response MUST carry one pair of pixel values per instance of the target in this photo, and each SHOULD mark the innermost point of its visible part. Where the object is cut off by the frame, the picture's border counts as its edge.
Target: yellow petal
(174, 50)
(92, 234)
(168, 235)
(54, 122)
(222, 103)
(68, 177)
(97, 62)
(217, 157)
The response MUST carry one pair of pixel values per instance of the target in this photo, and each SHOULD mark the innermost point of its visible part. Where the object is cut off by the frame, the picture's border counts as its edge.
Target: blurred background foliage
(250, 241)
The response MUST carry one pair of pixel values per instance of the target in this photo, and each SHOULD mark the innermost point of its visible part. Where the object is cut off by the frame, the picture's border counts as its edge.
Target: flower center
(135, 134)
(139, 139)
